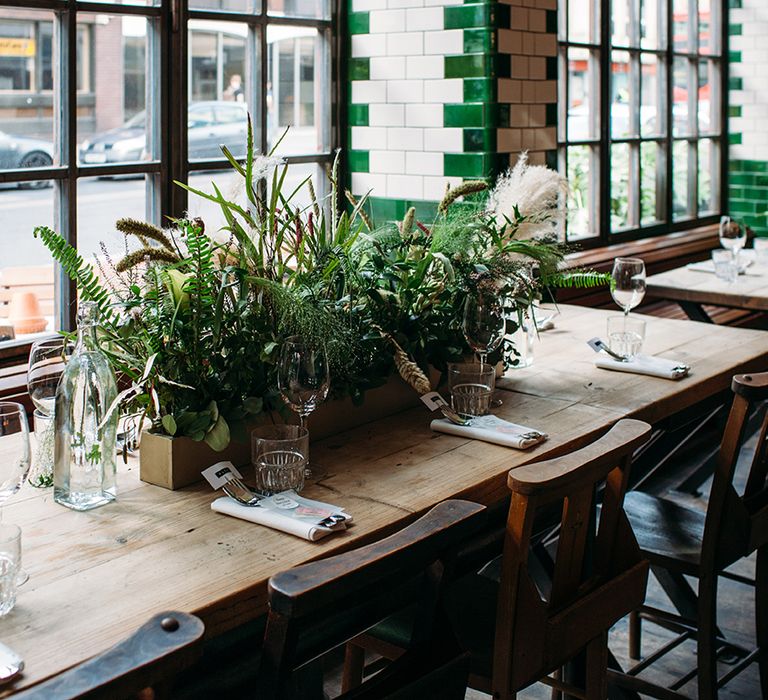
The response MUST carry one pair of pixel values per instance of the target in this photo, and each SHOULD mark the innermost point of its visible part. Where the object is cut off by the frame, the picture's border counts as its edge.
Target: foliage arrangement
(193, 320)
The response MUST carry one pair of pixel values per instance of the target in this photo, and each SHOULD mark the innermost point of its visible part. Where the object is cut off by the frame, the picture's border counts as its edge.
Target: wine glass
(303, 378)
(47, 360)
(628, 286)
(733, 237)
(15, 457)
(484, 325)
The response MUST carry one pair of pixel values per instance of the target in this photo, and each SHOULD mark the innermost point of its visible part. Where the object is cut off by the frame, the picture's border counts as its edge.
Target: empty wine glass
(628, 286)
(733, 237)
(15, 456)
(303, 378)
(47, 360)
(484, 324)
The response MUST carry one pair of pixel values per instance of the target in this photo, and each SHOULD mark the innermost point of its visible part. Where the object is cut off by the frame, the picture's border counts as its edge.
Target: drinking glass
(47, 360)
(303, 378)
(626, 335)
(471, 386)
(15, 456)
(733, 237)
(484, 324)
(761, 251)
(10, 566)
(628, 286)
(725, 266)
(279, 454)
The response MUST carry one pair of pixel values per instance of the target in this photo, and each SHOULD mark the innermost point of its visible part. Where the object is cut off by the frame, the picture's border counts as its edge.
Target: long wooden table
(96, 576)
(694, 288)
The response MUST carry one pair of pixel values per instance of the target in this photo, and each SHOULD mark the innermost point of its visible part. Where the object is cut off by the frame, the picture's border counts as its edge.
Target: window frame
(166, 65)
(603, 140)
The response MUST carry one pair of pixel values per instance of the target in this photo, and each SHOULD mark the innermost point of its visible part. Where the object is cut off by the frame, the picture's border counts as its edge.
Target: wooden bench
(33, 278)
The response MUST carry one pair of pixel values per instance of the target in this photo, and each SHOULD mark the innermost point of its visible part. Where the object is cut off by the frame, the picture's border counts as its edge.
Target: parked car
(211, 124)
(23, 152)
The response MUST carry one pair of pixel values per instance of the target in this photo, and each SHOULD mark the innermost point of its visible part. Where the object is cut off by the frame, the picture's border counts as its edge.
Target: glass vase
(85, 457)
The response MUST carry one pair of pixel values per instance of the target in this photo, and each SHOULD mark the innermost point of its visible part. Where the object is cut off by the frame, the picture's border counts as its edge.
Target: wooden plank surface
(96, 576)
(750, 291)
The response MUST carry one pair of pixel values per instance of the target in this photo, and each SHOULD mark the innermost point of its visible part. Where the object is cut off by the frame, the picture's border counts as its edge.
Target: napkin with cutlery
(709, 266)
(492, 429)
(290, 513)
(645, 364)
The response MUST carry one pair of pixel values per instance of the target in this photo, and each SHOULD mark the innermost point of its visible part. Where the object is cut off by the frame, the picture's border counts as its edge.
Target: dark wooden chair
(517, 631)
(317, 607)
(682, 542)
(151, 656)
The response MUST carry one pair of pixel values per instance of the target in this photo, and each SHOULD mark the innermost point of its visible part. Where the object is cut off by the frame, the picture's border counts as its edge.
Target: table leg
(695, 311)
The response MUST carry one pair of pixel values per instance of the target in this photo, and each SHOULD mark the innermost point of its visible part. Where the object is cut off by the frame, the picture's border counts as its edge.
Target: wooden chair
(516, 632)
(682, 542)
(168, 643)
(316, 607)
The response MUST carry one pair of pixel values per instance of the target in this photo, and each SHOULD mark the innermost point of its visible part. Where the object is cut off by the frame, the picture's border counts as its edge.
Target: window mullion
(604, 223)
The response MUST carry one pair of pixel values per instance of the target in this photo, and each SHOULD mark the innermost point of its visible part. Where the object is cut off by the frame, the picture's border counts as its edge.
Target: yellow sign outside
(20, 48)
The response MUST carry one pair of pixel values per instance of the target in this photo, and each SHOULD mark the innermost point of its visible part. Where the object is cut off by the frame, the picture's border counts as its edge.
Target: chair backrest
(597, 579)
(159, 649)
(737, 524)
(34, 278)
(318, 606)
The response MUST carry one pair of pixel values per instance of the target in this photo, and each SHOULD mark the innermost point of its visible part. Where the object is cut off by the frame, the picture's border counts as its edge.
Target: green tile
(386, 209)
(359, 68)
(479, 90)
(463, 16)
(479, 140)
(735, 84)
(734, 139)
(551, 159)
(551, 21)
(467, 164)
(756, 194)
(743, 179)
(503, 112)
(358, 115)
(735, 4)
(551, 114)
(734, 110)
(476, 65)
(551, 67)
(479, 40)
(358, 23)
(754, 166)
(734, 29)
(761, 180)
(358, 161)
(468, 115)
(503, 65)
(734, 56)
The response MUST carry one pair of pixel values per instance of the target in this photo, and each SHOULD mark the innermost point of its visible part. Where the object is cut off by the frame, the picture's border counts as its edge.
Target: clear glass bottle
(85, 456)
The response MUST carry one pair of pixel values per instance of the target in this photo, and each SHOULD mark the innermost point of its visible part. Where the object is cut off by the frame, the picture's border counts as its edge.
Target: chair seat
(669, 534)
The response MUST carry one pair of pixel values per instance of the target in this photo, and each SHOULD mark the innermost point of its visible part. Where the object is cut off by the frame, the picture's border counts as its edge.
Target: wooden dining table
(693, 288)
(96, 576)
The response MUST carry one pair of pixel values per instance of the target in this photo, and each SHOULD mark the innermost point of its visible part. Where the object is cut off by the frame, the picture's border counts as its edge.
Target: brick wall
(748, 162)
(443, 91)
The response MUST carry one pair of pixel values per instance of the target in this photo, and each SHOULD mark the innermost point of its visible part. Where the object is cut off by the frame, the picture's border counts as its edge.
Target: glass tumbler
(626, 335)
(10, 565)
(279, 454)
(725, 265)
(471, 386)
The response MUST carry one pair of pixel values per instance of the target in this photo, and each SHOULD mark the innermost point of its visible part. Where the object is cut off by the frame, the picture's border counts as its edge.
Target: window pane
(652, 24)
(583, 18)
(709, 169)
(622, 22)
(219, 101)
(298, 8)
(24, 259)
(583, 108)
(680, 25)
(620, 186)
(111, 125)
(707, 38)
(708, 81)
(621, 95)
(681, 97)
(680, 180)
(296, 97)
(651, 183)
(582, 173)
(26, 89)
(651, 95)
(226, 5)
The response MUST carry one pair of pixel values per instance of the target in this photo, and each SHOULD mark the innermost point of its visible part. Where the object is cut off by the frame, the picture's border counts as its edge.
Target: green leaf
(217, 437)
(169, 424)
(254, 404)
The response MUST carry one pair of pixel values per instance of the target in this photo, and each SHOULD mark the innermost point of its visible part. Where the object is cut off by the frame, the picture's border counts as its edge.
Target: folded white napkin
(709, 266)
(492, 429)
(305, 526)
(645, 364)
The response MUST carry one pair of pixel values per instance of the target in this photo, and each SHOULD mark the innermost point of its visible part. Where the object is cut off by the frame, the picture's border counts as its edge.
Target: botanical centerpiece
(193, 319)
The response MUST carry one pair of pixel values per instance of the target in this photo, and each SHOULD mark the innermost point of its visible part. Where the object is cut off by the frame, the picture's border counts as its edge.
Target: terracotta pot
(24, 313)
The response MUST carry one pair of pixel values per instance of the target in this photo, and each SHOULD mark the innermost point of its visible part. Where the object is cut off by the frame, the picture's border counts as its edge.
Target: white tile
(423, 163)
(365, 5)
(451, 90)
(406, 91)
(363, 45)
(434, 187)
(405, 186)
(429, 115)
(386, 21)
(431, 3)
(446, 42)
(386, 115)
(364, 138)
(387, 68)
(405, 44)
(424, 18)
(450, 140)
(424, 67)
(406, 3)
(406, 139)
(368, 91)
(386, 162)
(364, 182)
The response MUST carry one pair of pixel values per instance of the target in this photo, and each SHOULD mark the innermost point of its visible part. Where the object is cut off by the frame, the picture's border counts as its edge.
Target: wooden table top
(750, 291)
(96, 576)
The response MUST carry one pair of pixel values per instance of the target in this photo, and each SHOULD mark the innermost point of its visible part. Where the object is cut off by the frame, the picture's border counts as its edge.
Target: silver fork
(237, 489)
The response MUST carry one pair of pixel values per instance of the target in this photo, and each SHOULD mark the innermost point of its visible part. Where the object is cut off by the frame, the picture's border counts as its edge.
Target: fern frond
(578, 279)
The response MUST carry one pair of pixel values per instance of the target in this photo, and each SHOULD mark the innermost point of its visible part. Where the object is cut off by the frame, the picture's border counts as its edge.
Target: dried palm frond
(142, 254)
(452, 194)
(144, 231)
